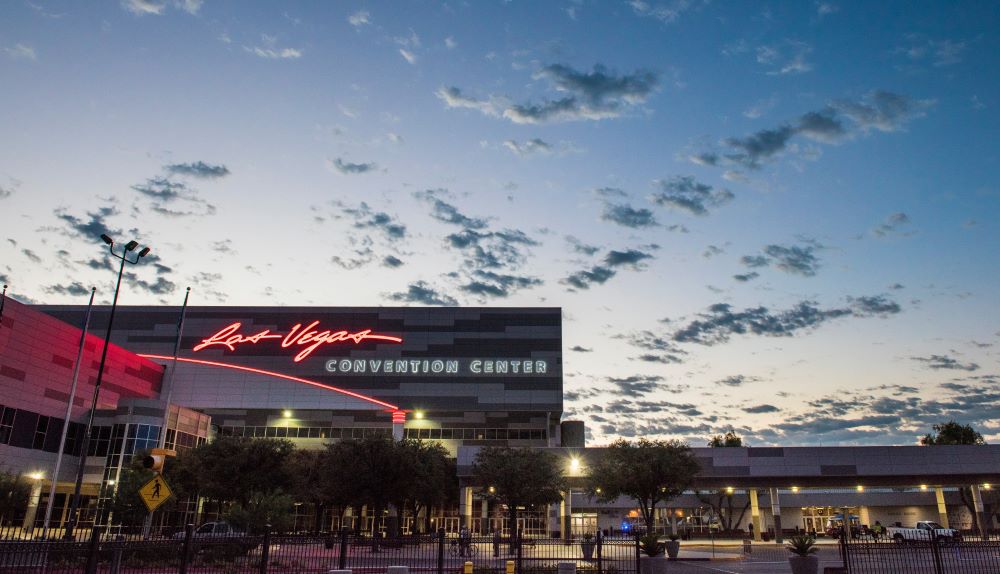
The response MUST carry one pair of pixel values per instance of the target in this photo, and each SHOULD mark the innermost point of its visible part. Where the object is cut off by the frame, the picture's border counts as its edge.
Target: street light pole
(75, 504)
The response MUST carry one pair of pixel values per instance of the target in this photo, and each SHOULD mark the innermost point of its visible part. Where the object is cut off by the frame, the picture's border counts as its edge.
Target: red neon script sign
(308, 338)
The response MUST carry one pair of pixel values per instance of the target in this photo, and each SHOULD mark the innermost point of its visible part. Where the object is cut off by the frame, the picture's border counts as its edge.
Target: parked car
(214, 530)
(222, 540)
(924, 530)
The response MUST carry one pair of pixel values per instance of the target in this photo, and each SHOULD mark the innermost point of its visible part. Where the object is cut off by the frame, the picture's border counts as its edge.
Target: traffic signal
(155, 459)
(154, 462)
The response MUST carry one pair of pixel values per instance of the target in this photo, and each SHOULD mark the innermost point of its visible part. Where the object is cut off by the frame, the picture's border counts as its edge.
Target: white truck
(925, 530)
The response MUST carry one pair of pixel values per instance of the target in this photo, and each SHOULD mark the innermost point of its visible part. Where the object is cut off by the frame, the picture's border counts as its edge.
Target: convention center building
(462, 377)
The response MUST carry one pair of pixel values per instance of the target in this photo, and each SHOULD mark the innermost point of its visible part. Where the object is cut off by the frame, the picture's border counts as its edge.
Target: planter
(588, 550)
(804, 564)
(652, 564)
(673, 547)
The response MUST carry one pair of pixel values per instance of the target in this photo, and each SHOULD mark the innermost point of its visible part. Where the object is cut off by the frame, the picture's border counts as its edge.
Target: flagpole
(168, 381)
(168, 388)
(69, 414)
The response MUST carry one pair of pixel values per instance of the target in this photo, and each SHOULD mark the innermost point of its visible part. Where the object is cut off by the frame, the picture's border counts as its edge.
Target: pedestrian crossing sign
(155, 492)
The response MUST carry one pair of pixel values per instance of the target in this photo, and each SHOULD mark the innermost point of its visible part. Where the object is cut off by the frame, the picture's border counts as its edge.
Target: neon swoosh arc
(276, 375)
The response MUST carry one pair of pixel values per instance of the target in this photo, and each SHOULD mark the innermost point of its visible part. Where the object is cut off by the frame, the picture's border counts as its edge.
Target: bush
(650, 545)
(802, 545)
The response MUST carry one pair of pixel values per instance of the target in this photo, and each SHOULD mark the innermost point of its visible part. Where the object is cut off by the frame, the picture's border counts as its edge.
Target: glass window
(281, 432)
(436, 433)
(447, 433)
(40, 429)
(424, 433)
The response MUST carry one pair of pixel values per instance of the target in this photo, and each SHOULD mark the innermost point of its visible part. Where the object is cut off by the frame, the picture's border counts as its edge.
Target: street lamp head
(131, 245)
(144, 252)
(107, 239)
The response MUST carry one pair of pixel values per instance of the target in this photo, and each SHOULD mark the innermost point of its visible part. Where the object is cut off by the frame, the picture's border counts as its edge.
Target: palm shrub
(802, 545)
(650, 545)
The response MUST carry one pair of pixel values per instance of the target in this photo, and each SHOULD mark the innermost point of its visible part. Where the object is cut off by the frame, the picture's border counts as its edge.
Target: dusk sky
(780, 218)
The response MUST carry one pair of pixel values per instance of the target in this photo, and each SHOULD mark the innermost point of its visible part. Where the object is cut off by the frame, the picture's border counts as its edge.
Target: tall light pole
(75, 504)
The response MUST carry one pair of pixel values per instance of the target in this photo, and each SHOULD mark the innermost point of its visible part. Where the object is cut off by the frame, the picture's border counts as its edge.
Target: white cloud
(21, 52)
(450, 43)
(144, 7)
(359, 18)
(271, 51)
(190, 6)
(408, 56)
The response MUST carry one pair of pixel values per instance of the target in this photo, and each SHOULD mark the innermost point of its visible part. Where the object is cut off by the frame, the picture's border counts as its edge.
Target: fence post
(266, 549)
(186, 549)
(936, 552)
(342, 559)
(520, 550)
(844, 551)
(440, 565)
(600, 554)
(638, 555)
(94, 549)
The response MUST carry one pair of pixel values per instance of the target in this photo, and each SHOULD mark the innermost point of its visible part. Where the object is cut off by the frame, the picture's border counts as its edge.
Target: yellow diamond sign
(155, 492)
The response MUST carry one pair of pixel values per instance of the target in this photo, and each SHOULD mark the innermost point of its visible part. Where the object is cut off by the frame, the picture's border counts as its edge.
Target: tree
(722, 501)
(952, 433)
(126, 506)
(516, 477)
(729, 440)
(649, 472)
(374, 471)
(308, 469)
(434, 479)
(14, 493)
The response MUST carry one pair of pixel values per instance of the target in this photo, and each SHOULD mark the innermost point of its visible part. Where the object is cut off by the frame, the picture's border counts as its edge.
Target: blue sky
(778, 218)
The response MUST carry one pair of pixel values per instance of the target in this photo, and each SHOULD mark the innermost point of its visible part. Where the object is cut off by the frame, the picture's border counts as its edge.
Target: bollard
(566, 568)
(467, 568)
(510, 567)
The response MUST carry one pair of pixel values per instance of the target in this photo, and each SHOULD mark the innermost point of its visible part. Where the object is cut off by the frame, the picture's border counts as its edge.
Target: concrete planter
(588, 549)
(673, 548)
(652, 564)
(804, 564)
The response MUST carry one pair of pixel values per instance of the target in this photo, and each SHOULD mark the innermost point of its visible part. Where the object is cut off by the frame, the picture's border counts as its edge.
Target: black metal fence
(189, 553)
(924, 553)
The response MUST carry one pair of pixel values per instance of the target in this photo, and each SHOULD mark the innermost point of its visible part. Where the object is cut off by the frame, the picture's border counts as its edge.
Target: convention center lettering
(309, 338)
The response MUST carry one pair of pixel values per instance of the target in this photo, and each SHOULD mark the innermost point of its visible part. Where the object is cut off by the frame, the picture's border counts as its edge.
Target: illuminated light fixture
(795, 489)
(418, 414)
(492, 489)
(276, 375)
(574, 464)
(111, 482)
(286, 413)
(729, 490)
(597, 490)
(861, 488)
(398, 417)
(37, 475)
(987, 486)
(923, 487)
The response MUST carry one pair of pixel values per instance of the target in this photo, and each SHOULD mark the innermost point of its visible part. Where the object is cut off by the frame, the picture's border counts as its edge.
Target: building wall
(37, 356)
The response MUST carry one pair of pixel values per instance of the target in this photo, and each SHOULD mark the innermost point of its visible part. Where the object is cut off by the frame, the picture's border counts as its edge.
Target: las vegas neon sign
(307, 338)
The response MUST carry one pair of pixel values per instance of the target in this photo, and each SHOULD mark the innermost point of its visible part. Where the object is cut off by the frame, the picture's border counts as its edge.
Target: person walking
(464, 541)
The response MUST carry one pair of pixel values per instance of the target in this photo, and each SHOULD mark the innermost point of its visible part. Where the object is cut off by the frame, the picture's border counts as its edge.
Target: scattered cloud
(198, 169)
(758, 409)
(746, 277)
(91, 227)
(422, 293)
(721, 322)
(894, 225)
(348, 168)
(269, 50)
(161, 191)
(628, 216)
(392, 262)
(534, 146)
(879, 110)
(666, 12)
(21, 52)
(579, 349)
(736, 381)
(359, 18)
(613, 261)
(687, 194)
(445, 212)
(792, 259)
(636, 384)
(407, 55)
(364, 217)
(945, 362)
(788, 58)
(595, 95)
(919, 49)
